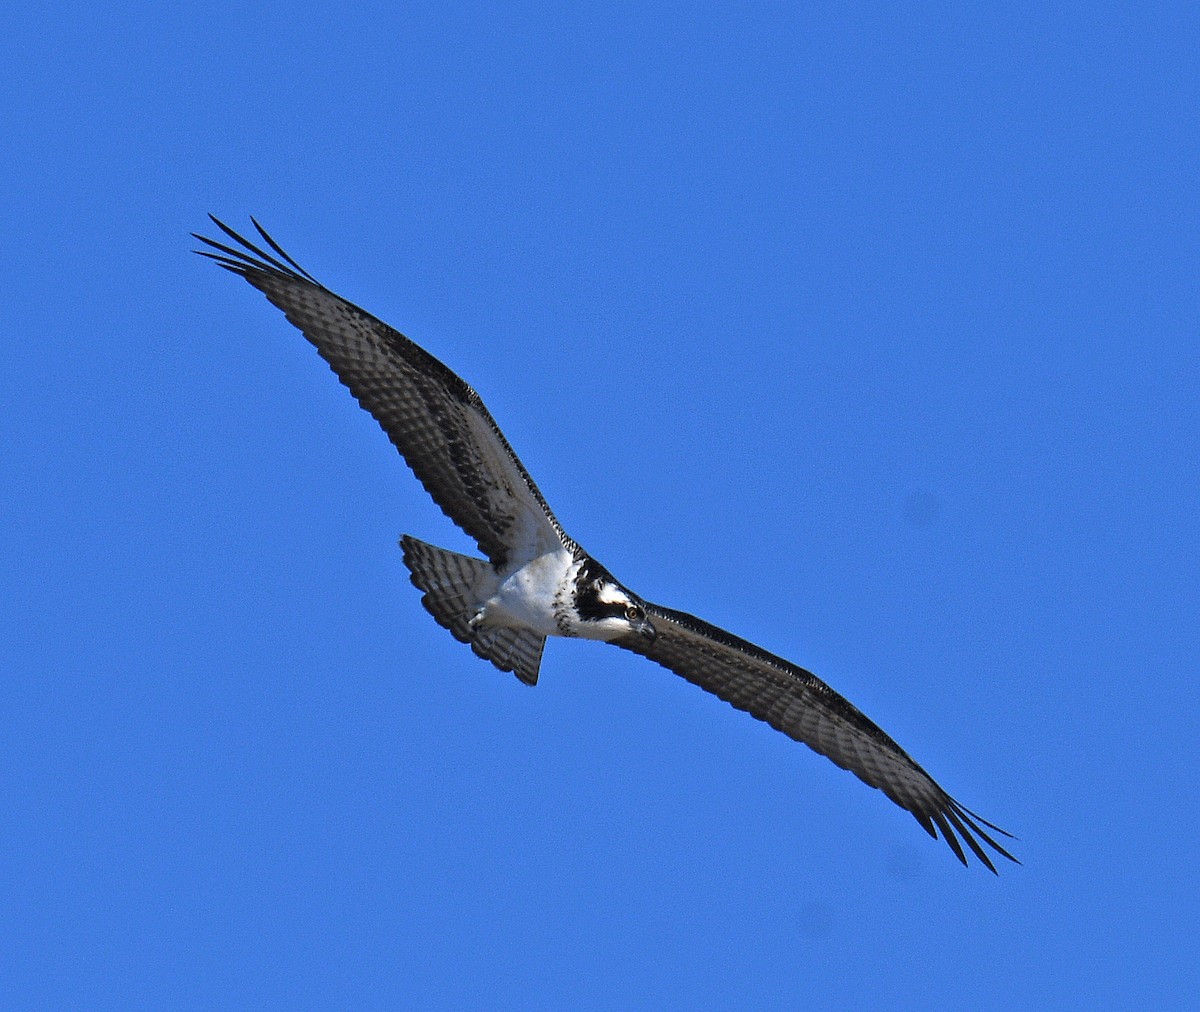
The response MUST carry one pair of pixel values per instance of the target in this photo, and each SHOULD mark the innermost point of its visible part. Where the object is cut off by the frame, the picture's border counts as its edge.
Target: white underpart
(537, 595)
(527, 595)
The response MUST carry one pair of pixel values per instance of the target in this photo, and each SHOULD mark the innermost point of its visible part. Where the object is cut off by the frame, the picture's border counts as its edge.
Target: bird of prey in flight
(535, 580)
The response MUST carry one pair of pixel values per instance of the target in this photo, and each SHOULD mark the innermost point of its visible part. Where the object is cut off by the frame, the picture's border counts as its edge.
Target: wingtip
(957, 826)
(247, 259)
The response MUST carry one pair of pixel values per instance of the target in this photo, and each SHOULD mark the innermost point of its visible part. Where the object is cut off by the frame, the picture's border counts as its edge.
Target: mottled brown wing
(436, 421)
(803, 707)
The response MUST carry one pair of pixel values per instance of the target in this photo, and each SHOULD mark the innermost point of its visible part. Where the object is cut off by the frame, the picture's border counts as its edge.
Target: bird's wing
(803, 707)
(436, 421)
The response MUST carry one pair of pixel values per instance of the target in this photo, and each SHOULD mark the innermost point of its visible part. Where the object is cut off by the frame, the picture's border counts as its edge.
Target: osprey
(536, 581)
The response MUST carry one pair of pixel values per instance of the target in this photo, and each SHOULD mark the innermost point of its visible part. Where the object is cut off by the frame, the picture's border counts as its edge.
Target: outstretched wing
(436, 421)
(803, 707)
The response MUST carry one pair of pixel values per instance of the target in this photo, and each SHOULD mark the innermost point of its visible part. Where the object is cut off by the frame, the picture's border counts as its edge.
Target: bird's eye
(633, 613)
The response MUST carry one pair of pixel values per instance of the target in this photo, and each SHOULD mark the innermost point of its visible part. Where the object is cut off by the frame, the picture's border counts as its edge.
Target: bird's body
(537, 582)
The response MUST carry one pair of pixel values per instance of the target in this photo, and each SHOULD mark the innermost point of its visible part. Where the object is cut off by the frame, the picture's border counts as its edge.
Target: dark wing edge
(797, 703)
(461, 494)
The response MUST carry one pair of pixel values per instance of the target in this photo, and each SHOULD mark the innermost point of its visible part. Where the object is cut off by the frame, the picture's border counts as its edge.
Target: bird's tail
(455, 586)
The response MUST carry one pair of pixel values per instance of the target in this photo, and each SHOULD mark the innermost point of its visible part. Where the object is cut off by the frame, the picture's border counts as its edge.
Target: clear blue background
(871, 336)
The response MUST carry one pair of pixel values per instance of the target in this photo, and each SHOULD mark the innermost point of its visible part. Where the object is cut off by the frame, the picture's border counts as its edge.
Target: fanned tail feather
(455, 586)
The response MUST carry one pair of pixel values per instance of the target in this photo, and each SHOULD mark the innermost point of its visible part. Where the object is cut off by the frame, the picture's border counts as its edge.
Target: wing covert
(437, 422)
(799, 704)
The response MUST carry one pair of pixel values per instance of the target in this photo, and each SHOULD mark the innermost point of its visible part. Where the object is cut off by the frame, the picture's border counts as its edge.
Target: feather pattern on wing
(799, 704)
(436, 421)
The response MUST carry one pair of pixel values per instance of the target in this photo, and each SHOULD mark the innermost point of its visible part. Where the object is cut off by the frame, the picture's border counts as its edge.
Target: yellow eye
(633, 612)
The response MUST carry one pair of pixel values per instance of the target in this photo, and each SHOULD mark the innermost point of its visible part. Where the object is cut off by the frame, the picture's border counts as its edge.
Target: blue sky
(870, 336)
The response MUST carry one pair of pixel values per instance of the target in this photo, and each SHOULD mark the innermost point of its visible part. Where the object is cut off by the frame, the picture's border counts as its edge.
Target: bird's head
(608, 611)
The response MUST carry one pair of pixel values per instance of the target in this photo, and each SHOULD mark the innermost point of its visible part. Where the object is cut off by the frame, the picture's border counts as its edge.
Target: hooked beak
(646, 630)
